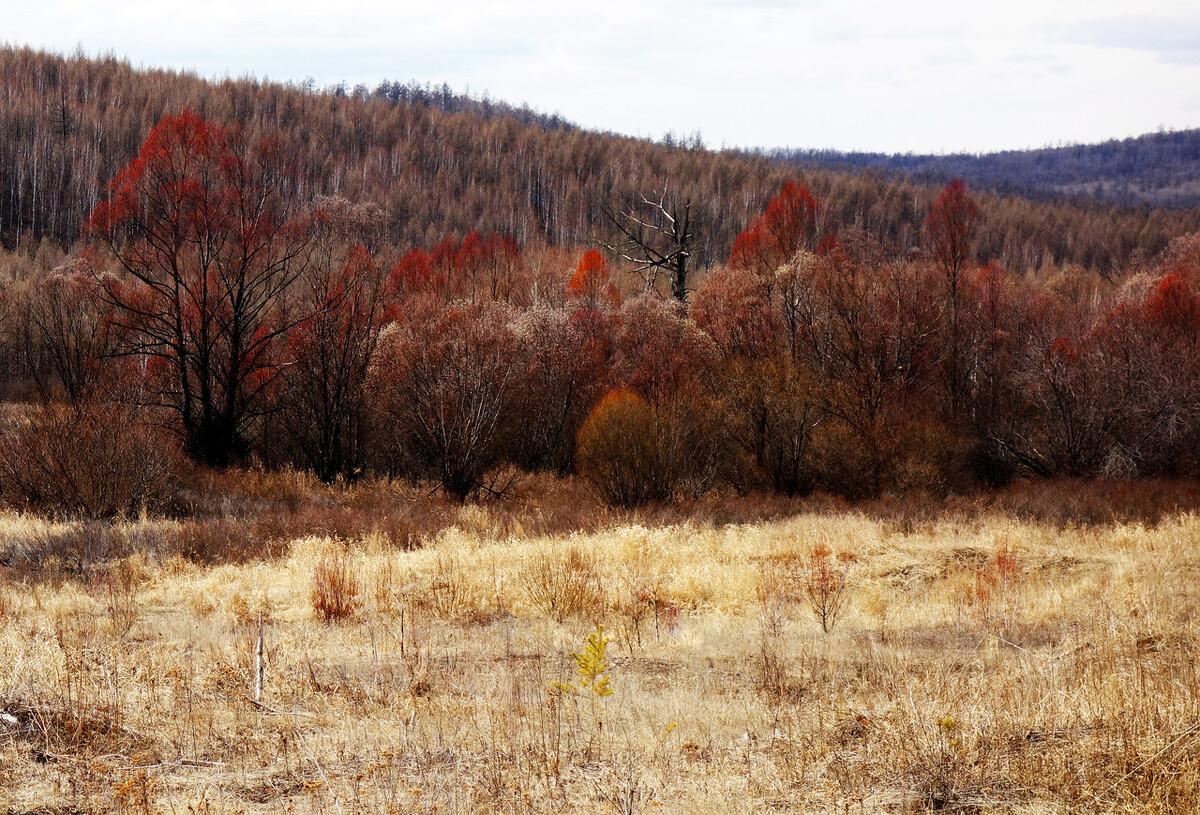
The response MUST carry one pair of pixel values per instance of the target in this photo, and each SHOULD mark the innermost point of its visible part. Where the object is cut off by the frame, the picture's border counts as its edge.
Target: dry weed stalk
(335, 588)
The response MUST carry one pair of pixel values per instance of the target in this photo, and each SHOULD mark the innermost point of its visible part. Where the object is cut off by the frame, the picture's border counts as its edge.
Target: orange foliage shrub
(620, 450)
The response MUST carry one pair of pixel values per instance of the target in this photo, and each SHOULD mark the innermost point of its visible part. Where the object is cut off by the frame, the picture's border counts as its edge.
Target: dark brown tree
(950, 230)
(657, 238)
(328, 357)
(210, 235)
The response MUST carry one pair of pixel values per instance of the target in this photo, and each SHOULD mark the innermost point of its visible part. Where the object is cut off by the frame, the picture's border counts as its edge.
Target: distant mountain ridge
(1157, 169)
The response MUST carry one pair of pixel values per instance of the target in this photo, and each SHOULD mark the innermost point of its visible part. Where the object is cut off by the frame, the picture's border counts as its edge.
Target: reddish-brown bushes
(564, 366)
(445, 392)
(658, 351)
(71, 548)
(97, 460)
(66, 319)
(335, 588)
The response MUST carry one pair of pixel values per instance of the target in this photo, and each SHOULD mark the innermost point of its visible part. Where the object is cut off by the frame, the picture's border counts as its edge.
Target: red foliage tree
(591, 283)
(950, 228)
(489, 268)
(789, 224)
(209, 233)
(1174, 307)
(476, 269)
(412, 275)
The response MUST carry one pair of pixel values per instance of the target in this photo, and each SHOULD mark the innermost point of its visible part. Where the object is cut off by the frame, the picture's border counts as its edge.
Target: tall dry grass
(980, 662)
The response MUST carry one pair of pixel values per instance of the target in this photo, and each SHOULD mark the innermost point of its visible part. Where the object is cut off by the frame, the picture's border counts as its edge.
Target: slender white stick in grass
(259, 662)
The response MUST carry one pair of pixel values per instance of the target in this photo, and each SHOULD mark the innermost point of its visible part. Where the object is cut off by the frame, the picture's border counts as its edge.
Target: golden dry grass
(1063, 682)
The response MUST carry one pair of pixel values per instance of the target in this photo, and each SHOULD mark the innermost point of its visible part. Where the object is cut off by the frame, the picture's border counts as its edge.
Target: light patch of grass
(1077, 690)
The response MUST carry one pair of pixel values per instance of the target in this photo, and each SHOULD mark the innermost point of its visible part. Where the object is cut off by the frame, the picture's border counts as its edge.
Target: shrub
(620, 451)
(96, 460)
(826, 585)
(451, 591)
(444, 392)
(67, 547)
(335, 588)
(659, 352)
(772, 671)
(770, 416)
(565, 586)
(563, 366)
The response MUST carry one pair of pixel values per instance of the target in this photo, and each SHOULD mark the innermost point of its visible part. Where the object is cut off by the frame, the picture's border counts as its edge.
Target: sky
(920, 75)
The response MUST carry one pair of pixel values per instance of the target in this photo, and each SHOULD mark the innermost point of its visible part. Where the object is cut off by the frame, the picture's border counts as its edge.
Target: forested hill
(1158, 169)
(440, 164)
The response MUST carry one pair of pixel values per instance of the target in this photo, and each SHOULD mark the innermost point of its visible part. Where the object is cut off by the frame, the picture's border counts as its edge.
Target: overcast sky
(922, 75)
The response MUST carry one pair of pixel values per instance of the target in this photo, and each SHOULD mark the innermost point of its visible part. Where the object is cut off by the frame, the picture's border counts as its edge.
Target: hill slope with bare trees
(441, 164)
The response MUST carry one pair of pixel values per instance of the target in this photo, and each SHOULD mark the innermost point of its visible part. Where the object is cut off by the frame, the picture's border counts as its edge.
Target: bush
(620, 451)
(443, 388)
(335, 588)
(97, 460)
(564, 586)
(770, 416)
(64, 547)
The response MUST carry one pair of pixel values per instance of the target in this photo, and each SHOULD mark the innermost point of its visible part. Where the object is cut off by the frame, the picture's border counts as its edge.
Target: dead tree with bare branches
(655, 235)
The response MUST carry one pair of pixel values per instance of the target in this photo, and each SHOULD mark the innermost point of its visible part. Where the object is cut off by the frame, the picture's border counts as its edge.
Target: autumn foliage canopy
(217, 301)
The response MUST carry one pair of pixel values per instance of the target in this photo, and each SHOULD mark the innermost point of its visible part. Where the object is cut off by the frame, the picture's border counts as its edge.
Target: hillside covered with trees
(1157, 169)
(217, 311)
(437, 164)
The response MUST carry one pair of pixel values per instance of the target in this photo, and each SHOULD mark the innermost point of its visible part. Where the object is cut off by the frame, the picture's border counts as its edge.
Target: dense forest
(438, 164)
(1158, 169)
(406, 284)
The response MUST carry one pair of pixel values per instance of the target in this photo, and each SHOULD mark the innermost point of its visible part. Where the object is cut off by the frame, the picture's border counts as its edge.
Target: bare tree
(657, 237)
(65, 319)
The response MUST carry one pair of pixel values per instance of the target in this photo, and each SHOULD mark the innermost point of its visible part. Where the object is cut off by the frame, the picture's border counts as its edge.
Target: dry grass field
(981, 662)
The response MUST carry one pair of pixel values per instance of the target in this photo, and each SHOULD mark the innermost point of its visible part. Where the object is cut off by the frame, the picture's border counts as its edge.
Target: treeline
(217, 315)
(438, 164)
(1157, 169)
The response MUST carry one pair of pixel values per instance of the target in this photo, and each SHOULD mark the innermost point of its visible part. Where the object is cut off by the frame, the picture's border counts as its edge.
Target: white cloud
(1172, 39)
(924, 75)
